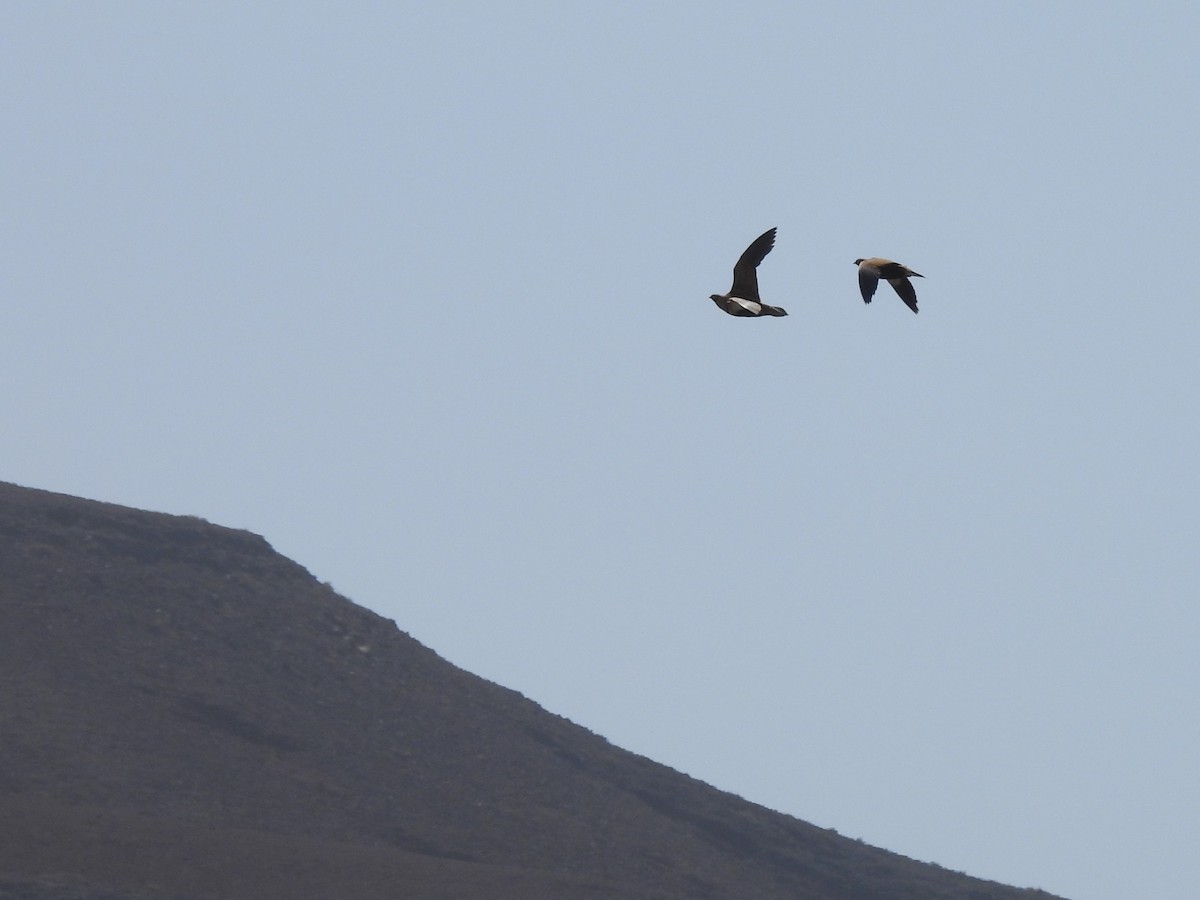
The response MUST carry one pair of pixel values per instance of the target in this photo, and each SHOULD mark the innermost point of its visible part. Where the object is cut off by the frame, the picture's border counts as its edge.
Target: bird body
(743, 299)
(897, 275)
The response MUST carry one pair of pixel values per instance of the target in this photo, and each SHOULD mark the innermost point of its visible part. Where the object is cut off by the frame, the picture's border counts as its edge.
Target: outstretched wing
(867, 282)
(906, 291)
(745, 274)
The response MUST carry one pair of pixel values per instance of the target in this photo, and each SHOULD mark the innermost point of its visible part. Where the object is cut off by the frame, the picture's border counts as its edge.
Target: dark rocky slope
(186, 714)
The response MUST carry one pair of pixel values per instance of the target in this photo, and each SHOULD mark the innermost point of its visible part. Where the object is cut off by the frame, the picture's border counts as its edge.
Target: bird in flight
(742, 299)
(871, 270)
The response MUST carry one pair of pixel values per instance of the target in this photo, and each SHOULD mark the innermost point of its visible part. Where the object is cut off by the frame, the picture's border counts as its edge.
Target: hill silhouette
(188, 715)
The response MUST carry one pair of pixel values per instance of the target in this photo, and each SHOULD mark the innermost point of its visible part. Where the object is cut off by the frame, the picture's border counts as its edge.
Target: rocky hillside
(186, 714)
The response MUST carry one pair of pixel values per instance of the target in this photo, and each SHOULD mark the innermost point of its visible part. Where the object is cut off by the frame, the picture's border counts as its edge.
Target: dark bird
(871, 270)
(742, 299)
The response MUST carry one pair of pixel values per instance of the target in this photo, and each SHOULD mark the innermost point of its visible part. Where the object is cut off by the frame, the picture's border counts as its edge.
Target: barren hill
(187, 715)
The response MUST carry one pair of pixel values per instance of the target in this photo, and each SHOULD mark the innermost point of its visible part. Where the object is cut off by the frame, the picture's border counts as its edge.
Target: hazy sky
(419, 292)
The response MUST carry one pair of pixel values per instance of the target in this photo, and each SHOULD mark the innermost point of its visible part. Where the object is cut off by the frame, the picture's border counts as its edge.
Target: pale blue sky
(419, 293)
